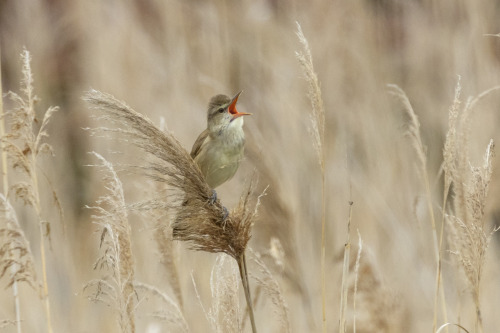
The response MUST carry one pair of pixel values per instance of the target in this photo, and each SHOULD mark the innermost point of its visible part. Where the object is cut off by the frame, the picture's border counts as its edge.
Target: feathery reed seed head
(16, 258)
(111, 215)
(197, 221)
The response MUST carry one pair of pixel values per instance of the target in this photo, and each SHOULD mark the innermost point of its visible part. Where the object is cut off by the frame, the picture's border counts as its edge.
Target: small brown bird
(219, 149)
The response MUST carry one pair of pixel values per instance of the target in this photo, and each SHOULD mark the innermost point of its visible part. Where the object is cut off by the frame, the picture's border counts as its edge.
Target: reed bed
(377, 93)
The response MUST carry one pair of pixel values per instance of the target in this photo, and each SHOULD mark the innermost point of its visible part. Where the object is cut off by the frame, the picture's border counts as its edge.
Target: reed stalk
(5, 183)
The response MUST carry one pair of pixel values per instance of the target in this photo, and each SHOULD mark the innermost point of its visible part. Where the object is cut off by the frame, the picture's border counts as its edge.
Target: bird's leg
(212, 201)
(226, 213)
(213, 198)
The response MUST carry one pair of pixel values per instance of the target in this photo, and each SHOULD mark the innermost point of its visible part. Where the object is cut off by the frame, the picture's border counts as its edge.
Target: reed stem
(242, 265)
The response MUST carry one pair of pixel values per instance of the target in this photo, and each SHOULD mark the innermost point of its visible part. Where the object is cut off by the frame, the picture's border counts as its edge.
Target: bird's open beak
(232, 108)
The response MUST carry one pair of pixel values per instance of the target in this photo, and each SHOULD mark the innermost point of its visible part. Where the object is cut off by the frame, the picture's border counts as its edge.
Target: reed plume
(469, 234)
(318, 134)
(16, 260)
(199, 221)
(170, 312)
(272, 289)
(24, 145)
(372, 297)
(314, 93)
(224, 313)
(413, 132)
(5, 183)
(111, 216)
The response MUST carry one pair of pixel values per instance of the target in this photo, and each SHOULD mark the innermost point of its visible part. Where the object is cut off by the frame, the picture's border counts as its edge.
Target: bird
(218, 150)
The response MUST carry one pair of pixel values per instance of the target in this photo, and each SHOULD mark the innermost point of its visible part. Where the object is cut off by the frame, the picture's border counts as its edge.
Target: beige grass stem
(356, 277)
(344, 289)
(28, 78)
(5, 178)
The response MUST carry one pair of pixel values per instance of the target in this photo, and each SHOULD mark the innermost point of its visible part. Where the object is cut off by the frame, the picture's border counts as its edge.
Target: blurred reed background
(167, 58)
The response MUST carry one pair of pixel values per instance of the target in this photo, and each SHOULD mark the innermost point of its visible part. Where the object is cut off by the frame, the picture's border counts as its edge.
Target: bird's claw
(212, 201)
(213, 198)
(226, 213)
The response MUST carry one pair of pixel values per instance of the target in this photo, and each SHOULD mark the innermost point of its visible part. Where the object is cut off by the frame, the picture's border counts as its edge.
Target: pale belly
(219, 165)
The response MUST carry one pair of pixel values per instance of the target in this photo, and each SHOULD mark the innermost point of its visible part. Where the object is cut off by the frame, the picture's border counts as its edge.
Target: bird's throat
(233, 134)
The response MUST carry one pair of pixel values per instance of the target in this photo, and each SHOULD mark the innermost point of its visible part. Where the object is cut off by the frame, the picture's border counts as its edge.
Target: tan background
(167, 58)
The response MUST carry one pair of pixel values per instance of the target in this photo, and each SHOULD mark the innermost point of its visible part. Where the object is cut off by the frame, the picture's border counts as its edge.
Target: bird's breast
(220, 156)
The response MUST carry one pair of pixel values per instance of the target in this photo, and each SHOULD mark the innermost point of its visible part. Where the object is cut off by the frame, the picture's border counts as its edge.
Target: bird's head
(222, 112)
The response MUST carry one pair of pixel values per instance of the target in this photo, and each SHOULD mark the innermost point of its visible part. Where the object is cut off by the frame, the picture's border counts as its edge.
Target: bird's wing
(198, 143)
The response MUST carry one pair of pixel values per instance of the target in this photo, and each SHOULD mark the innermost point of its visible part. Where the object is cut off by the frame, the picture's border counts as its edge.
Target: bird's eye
(221, 110)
